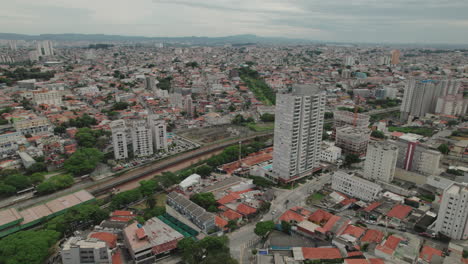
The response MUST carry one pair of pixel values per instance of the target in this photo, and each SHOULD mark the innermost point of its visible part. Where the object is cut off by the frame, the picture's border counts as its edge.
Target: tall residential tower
(298, 132)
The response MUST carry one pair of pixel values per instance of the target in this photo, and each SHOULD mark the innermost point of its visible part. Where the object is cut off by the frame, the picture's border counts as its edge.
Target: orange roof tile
(289, 216)
(231, 215)
(229, 198)
(390, 245)
(220, 222)
(319, 216)
(428, 252)
(372, 206)
(372, 235)
(400, 211)
(356, 261)
(109, 238)
(321, 253)
(245, 209)
(354, 231)
(376, 261)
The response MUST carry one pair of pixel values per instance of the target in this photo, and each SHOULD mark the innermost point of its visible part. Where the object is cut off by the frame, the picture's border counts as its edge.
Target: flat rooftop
(155, 232)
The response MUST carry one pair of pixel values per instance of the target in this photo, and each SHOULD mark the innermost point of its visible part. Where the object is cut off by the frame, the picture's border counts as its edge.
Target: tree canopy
(443, 148)
(83, 161)
(262, 228)
(267, 117)
(205, 200)
(30, 246)
(206, 251)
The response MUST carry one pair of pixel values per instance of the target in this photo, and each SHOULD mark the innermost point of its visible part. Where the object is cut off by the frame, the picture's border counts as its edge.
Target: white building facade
(119, 139)
(298, 132)
(77, 251)
(141, 138)
(453, 212)
(355, 186)
(381, 159)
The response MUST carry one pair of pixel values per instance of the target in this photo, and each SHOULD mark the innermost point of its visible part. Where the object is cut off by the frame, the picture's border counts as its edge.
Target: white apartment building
(141, 138)
(455, 105)
(39, 125)
(45, 48)
(298, 132)
(355, 186)
(80, 251)
(349, 60)
(119, 139)
(47, 97)
(420, 96)
(452, 219)
(158, 130)
(9, 142)
(330, 154)
(381, 159)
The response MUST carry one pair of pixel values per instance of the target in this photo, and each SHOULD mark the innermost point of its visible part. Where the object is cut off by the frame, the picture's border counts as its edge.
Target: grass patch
(261, 127)
(423, 131)
(315, 198)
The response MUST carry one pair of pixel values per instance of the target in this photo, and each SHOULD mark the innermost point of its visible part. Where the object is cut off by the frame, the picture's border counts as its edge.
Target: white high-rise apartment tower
(45, 48)
(381, 159)
(298, 132)
(119, 139)
(158, 129)
(452, 219)
(142, 139)
(421, 96)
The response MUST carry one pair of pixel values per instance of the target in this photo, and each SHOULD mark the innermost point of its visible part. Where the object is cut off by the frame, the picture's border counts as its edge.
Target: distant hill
(237, 39)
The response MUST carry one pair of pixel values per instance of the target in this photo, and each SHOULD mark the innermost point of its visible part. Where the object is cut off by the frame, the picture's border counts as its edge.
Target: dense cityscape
(172, 151)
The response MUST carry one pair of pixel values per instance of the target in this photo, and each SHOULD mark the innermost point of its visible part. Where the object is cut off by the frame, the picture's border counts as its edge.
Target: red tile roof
(372, 235)
(220, 222)
(376, 261)
(321, 253)
(390, 245)
(354, 231)
(428, 252)
(117, 257)
(245, 209)
(289, 216)
(140, 233)
(400, 211)
(320, 216)
(356, 261)
(372, 206)
(354, 254)
(301, 211)
(122, 213)
(231, 215)
(229, 198)
(109, 238)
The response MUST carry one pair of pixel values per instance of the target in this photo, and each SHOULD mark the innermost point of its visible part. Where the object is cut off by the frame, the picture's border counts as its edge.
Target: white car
(273, 212)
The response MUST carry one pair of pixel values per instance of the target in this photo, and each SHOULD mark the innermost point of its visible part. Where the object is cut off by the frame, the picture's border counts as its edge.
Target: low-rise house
(196, 214)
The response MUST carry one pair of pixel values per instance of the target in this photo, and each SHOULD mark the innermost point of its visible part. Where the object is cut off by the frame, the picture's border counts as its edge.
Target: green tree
(147, 188)
(351, 158)
(444, 148)
(119, 106)
(452, 123)
(18, 181)
(83, 161)
(238, 120)
(263, 228)
(328, 115)
(55, 183)
(36, 167)
(155, 211)
(286, 227)
(123, 199)
(267, 117)
(209, 250)
(205, 200)
(30, 246)
(377, 134)
(204, 170)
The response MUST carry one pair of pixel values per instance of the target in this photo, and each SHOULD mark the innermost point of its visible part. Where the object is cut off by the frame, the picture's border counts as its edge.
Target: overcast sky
(408, 21)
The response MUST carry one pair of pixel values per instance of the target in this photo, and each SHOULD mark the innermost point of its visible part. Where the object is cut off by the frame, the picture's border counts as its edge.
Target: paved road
(296, 197)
